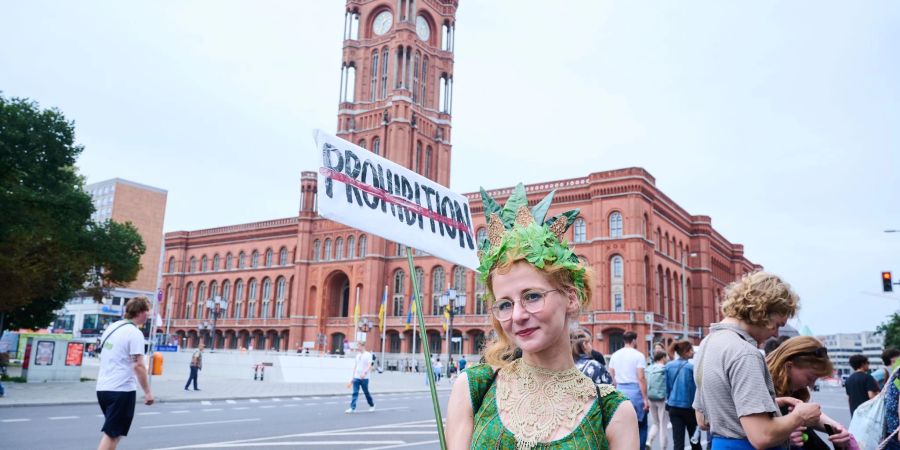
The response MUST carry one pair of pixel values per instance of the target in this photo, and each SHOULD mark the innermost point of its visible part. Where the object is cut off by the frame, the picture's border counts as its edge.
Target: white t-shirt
(116, 366)
(363, 364)
(626, 362)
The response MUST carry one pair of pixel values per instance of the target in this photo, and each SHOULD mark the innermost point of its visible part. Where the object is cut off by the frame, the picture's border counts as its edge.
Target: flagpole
(356, 320)
(383, 324)
(425, 351)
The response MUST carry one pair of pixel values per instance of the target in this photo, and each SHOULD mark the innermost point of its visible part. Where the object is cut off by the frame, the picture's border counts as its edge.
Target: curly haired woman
(539, 400)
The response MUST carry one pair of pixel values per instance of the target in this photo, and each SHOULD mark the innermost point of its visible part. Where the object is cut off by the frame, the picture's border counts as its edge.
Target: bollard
(156, 363)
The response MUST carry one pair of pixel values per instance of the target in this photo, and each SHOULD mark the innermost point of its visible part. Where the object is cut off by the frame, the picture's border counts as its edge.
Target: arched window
(351, 248)
(668, 248)
(280, 288)
(216, 261)
(252, 294)
(397, 298)
(226, 291)
(644, 224)
(376, 145)
(480, 296)
(269, 257)
(238, 298)
(192, 267)
(362, 143)
(415, 78)
(201, 299)
(373, 79)
(617, 283)
(657, 242)
(417, 165)
(580, 230)
(266, 291)
(420, 278)
(327, 255)
(480, 236)
(427, 172)
(400, 249)
(384, 72)
(423, 100)
(172, 265)
(338, 248)
(254, 259)
(229, 261)
(459, 279)
(213, 289)
(203, 262)
(283, 256)
(188, 300)
(362, 246)
(242, 260)
(615, 225)
(317, 247)
(437, 289)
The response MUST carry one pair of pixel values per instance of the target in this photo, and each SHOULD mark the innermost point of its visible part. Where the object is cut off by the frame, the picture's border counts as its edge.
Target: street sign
(167, 348)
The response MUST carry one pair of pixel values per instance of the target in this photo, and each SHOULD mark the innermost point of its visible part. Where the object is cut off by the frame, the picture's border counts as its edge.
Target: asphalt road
(399, 421)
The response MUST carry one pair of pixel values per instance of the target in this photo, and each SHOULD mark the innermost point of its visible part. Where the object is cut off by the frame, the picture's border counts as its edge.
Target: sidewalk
(170, 388)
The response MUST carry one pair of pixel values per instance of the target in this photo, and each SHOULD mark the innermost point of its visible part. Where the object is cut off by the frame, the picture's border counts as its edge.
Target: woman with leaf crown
(528, 393)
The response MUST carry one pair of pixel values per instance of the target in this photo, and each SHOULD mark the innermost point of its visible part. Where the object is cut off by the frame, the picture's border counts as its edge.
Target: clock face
(422, 28)
(382, 23)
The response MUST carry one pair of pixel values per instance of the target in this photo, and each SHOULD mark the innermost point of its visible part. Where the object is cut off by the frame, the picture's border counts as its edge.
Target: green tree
(891, 331)
(48, 243)
(116, 250)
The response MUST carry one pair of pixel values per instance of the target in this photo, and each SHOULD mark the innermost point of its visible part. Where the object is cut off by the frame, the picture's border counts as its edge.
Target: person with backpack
(681, 389)
(656, 393)
(584, 360)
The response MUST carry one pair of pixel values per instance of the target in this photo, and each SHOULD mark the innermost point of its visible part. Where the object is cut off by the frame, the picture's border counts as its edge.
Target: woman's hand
(798, 437)
(841, 437)
(790, 402)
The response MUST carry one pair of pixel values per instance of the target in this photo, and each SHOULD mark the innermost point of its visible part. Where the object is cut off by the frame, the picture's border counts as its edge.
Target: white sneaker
(372, 408)
(349, 411)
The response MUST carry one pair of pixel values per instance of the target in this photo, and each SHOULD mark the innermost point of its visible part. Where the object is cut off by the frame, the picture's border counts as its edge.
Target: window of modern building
(615, 225)
(580, 230)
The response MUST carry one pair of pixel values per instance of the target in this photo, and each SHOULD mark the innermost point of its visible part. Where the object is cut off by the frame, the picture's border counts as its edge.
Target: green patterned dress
(489, 432)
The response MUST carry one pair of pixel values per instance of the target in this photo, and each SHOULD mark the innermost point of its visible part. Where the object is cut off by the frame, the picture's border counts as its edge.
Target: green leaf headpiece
(514, 227)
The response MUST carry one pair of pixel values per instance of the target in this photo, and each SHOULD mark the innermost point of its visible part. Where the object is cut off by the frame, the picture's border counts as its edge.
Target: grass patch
(13, 379)
(87, 379)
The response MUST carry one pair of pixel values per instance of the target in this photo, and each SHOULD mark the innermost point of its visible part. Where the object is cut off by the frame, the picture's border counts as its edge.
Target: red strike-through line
(393, 199)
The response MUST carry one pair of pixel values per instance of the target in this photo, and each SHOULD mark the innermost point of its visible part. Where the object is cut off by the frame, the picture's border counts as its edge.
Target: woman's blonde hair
(800, 351)
(757, 296)
(500, 351)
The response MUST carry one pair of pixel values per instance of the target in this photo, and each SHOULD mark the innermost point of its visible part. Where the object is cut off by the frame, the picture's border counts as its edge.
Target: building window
(617, 267)
(480, 296)
(280, 288)
(188, 300)
(617, 306)
(400, 249)
(437, 288)
(338, 248)
(362, 143)
(193, 265)
(580, 230)
(216, 261)
(615, 225)
(423, 100)
(238, 298)
(229, 261)
(480, 236)
(397, 299)
(203, 262)
(428, 173)
(267, 289)
(226, 291)
(172, 265)
(327, 255)
(269, 257)
(351, 248)
(316, 249)
(201, 299)
(376, 145)
(362, 246)
(384, 72)
(254, 259)
(373, 82)
(283, 257)
(617, 283)
(459, 279)
(242, 260)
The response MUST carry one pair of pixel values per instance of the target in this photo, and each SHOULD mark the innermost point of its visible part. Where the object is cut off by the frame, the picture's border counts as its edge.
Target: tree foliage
(47, 240)
(891, 330)
(116, 250)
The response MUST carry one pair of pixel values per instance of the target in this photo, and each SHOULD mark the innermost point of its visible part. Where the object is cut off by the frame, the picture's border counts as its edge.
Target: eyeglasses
(532, 301)
(820, 352)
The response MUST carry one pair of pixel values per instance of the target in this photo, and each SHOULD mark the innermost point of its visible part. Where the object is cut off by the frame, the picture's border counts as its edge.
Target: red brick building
(297, 280)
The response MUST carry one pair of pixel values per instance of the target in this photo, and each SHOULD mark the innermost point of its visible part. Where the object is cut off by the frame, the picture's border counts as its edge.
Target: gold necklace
(536, 401)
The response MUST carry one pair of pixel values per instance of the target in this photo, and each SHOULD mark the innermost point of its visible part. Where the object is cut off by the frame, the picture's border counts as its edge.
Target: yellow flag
(446, 316)
(356, 313)
(381, 317)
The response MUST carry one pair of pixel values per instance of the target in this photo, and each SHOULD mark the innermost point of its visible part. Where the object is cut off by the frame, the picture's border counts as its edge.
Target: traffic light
(886, 282)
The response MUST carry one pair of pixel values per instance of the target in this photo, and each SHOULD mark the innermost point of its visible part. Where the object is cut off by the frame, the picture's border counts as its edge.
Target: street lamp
(684, 313)
(451, 300)
(213, 306)
(201, 327)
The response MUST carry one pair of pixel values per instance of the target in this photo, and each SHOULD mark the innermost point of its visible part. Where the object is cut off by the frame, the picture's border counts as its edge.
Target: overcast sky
(780, 120)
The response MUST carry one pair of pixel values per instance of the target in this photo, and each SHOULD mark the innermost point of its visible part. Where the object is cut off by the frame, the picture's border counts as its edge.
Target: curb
(200, 399)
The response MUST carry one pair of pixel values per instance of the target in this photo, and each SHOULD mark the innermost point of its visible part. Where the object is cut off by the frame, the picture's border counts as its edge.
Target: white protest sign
(363, 190)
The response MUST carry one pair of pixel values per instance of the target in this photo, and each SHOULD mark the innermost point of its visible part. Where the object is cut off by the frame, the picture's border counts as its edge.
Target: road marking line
(408, 444)
(240, 407)
(266, 406)
(253, 400)
(288, 406)
(367, 433)
(148, 413)
(297, 398)
(174, 425)
(310, 404)
(276, 399)
(206, 402)
(181, 411)
(211, 409)
(14, 420)
(230, 402)
(300, 444)
(62, 417)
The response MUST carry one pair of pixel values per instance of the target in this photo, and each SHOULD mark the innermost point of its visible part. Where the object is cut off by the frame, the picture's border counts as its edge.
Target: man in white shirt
(121, 361)
(361, 369)
(626, 366)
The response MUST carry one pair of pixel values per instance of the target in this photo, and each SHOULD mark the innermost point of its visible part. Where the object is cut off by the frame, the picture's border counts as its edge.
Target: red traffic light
(887, 282)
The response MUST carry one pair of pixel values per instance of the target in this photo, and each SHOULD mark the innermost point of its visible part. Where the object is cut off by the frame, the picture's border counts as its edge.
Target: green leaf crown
(515, 229)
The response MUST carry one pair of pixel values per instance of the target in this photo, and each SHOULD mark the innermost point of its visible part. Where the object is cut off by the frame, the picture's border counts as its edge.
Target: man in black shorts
(121, 361)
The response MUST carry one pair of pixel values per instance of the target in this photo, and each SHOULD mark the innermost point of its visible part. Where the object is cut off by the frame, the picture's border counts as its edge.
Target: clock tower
(396, 92)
